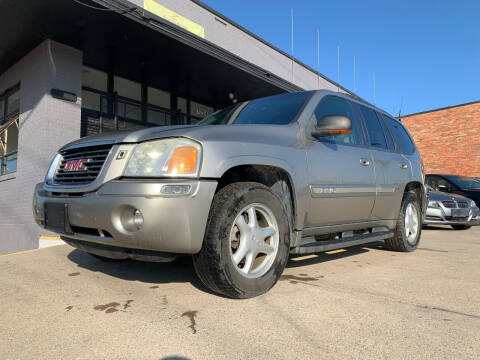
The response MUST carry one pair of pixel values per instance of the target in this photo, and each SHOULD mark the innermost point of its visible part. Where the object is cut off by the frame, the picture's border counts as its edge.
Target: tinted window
(463, 182)
(436, 181)
(333, 105)
(388, 135)
(274, 110)
(375, 131)
(402, 139)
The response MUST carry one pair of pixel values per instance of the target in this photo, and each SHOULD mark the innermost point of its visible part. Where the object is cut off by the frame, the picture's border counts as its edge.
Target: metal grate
(95, 156)
(449, 204)
(462, 204)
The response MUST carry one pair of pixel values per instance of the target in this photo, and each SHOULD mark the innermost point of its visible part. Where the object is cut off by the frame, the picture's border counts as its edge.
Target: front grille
(462, 204)
(96, 156)
(449, 204)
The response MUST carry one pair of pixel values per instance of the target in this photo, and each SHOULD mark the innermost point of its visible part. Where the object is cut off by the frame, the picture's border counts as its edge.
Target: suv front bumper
(171, 223)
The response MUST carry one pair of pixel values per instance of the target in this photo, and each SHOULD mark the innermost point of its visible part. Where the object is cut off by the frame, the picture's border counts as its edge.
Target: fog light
(175, 189)
(138, 219)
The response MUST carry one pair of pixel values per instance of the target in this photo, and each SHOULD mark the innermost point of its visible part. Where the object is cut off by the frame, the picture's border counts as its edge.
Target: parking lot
(362, 303)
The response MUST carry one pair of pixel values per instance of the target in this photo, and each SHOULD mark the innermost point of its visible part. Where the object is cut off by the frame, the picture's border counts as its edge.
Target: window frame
(365, 129)
(356, 119)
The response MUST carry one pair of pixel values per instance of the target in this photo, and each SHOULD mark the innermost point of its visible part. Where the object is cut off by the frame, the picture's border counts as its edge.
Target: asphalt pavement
(360, 303)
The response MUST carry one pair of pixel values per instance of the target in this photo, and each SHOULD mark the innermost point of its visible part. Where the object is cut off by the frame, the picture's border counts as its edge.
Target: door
(392, 169)
(340, 171)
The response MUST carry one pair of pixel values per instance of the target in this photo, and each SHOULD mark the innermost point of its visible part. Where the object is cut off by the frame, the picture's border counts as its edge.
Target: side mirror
(443, 188)
(332, 125)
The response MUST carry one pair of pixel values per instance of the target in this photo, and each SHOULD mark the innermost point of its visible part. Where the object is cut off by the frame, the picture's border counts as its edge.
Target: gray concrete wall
(242, 44)
(45, 125)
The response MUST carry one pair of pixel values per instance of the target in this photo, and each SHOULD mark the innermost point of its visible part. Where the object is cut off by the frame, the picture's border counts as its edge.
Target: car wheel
(461, 227)
(409, 225)
(246, 242)
(107, 259)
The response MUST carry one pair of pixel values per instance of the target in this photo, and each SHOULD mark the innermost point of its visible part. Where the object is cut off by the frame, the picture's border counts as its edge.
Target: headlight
(433, 204)
(167, 157)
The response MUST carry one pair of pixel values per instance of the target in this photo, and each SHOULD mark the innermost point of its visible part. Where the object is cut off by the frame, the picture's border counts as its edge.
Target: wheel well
(277, 179)
(416, 188)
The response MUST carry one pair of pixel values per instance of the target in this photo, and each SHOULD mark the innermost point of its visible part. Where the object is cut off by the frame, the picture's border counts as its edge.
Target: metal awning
(137, 45)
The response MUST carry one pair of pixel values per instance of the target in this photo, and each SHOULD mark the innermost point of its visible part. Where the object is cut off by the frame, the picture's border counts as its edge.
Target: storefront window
(9, 113)
(95, 79)
(199, 111)
(127, 88)
(158, 97)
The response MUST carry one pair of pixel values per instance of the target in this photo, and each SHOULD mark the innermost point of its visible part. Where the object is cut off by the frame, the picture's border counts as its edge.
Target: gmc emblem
(76, 165)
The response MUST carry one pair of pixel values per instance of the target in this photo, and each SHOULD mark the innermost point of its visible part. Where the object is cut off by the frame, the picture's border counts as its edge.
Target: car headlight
(167, 157)
(433, 204)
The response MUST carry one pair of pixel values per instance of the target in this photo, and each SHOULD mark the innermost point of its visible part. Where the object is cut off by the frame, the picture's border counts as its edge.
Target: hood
(441, 196)
(116, 137)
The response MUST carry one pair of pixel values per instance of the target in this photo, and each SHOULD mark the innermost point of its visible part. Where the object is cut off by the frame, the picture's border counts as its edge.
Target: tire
(106, 259)
(229, 214)
(461, 227)
(400, 241)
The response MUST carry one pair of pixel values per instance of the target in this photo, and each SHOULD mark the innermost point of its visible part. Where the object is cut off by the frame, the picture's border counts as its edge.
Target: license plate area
(460, 213)
(56, 217)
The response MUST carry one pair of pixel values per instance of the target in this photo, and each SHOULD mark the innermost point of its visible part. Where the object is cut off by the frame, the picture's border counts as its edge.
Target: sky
(424, 54)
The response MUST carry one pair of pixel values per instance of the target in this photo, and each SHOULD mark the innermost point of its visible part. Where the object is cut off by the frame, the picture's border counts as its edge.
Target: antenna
(318, 56)
(354, 76)
(374, 91)
(400, 109)
(338, 67)
(291, 13)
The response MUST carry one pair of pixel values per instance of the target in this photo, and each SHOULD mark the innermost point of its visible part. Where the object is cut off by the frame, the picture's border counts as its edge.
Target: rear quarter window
(402, 139)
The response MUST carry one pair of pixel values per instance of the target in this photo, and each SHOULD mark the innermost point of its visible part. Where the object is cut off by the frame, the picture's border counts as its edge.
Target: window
(9, 111)
(94, 79)
(158, 97)
(388, 135)
(200, 111)
(334, 105)
(127, 88)
(402, 139)
(374, 129)
(274, 110)
(436, 181)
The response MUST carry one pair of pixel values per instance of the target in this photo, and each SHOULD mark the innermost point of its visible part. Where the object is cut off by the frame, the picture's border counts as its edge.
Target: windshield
(273, 110)
(464, 182)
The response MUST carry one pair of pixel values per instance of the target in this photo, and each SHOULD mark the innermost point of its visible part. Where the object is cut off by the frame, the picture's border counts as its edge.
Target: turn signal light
(183, 160)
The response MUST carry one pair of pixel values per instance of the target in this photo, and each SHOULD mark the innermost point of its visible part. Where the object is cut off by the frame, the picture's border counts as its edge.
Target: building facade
(79, 68)
(448, 139)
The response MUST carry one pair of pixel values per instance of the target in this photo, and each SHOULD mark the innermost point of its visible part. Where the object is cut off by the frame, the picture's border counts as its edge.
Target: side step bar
(319, 246)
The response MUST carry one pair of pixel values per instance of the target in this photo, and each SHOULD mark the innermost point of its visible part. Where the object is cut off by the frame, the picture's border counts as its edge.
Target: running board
(319, 246)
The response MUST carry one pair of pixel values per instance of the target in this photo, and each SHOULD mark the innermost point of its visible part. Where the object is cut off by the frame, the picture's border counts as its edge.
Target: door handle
(403, 165)
(365, 162)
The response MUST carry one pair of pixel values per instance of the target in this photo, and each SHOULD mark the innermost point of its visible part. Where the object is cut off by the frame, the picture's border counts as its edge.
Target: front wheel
(409, 225)
(461, 227)
(246, 242)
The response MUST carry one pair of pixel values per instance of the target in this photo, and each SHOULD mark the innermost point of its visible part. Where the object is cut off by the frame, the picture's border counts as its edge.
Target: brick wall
(448, 139)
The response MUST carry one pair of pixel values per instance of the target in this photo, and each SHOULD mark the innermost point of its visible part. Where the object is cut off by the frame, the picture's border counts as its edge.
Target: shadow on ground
(179, 271)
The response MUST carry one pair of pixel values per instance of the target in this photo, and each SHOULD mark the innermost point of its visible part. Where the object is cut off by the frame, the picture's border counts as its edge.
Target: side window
(374, 128)
(334, 105)
(388, 135)
(436, 181)
(402, 139)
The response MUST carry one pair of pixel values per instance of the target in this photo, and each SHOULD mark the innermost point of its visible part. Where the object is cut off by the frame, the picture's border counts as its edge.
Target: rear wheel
(246, 242)
(461, 227)
(408, 229)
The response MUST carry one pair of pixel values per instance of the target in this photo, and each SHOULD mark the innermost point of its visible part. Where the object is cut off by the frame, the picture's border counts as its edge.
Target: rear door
(340, 171)
(393, 169)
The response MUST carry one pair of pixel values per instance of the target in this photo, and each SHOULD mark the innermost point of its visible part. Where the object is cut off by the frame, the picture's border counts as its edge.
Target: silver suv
(249, 185)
